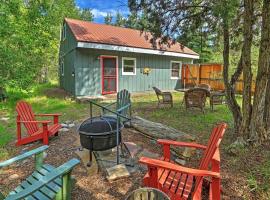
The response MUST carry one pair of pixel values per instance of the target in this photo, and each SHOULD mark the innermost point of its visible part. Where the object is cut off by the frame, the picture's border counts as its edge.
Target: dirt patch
(96, 187)
(57, 93)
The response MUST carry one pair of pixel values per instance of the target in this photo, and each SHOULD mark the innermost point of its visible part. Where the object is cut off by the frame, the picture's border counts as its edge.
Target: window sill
(128, 74)
(175, 78)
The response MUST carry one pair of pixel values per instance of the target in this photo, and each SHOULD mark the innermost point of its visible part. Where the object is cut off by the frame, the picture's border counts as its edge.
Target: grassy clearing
(250, 167)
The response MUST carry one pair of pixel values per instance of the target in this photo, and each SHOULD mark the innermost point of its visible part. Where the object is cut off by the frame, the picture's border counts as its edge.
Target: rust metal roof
(85, 31)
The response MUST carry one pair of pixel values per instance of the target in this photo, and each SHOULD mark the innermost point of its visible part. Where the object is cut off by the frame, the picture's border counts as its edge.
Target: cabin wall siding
(88, 72)
(67, 53)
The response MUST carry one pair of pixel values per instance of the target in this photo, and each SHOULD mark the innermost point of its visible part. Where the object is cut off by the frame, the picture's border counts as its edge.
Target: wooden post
(67, 186)
(215, 185)
(166, 151)
(19, 133)
(45, 134)
(153, 173)
(39, 158)
(198, 74)
(55, 119)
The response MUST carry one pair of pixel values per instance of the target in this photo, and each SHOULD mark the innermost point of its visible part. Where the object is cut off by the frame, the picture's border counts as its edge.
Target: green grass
(145, 105)
(191, 121)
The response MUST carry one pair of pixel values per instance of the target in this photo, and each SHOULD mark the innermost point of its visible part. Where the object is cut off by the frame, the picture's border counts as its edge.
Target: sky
(101, 7)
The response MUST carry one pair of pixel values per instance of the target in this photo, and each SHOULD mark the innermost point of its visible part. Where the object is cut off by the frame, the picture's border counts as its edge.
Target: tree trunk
(246, 65)
(229, 87)
(258, 128)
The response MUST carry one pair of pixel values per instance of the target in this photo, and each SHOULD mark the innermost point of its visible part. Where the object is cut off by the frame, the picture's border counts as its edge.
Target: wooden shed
(97, 59)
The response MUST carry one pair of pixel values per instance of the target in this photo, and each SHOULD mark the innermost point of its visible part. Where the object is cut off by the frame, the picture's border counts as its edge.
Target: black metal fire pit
(99, 134)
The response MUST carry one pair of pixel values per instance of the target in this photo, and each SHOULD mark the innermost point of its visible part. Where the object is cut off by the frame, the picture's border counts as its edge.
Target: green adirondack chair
(46, 182)
(122, 104)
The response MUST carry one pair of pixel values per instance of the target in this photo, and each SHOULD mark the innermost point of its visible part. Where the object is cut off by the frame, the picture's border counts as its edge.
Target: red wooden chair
(34, 132)
(182, 182)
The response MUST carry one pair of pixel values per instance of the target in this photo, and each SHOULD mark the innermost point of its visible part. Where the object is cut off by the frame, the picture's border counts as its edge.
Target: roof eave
(90, 45)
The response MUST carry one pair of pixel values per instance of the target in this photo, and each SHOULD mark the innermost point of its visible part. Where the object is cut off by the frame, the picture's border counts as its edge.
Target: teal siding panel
(67, 55)
(67, 81)
(88, 72)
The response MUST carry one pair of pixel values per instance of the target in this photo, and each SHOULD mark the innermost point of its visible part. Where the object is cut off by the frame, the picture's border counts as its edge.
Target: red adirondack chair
(34, 132)
(181, 182)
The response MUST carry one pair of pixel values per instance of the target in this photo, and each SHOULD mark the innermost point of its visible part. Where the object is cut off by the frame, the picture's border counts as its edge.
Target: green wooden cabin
(97, 59)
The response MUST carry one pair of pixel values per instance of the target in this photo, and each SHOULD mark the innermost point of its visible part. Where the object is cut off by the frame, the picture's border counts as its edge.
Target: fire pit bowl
(99, 134)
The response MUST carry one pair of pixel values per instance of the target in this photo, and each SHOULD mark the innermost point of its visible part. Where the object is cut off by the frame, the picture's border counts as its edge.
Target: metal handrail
(107, 109)
(118, 115)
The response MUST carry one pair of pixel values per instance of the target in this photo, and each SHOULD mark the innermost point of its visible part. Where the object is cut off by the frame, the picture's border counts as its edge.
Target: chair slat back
(123, 99)
(204, 86)
(26, 113)
(157, 91)
(212, 147)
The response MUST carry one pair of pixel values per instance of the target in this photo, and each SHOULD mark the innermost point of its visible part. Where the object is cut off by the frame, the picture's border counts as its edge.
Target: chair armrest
(24, 156)
(181, 144)
(41, 115)
(177, 168)
(42, 122)
(63, 169)
(123, 108)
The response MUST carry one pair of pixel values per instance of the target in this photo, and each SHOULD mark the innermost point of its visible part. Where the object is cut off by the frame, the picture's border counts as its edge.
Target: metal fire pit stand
(118, 116)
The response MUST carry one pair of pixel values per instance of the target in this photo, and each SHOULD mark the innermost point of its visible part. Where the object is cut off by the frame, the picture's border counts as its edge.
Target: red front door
(109, 75)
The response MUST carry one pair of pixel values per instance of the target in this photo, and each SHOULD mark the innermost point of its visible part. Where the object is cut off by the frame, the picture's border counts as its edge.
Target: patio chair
(163, 97)
(217, 98)
(180, 182)
(195, 98)
(190, 85)
(205, 86)
(122, 105)
(27, 117)
(46, 182)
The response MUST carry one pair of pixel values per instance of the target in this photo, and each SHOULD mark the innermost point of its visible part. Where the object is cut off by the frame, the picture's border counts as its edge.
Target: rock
(237, 147)
(4, 119)
(71, 125)
(132, 148)
(148, 154)
(63, 129)
(13, 177)
(160, 131)
(68, 122)
(180, 161)
(64, 125)
(117, 171)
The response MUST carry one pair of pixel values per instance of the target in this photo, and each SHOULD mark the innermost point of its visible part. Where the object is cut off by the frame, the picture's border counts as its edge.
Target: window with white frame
(176, 69)
(129, 66)
(62, 68)
(64, 32)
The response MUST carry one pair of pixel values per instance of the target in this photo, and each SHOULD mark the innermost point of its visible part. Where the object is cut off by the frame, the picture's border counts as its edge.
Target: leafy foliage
(29, 35)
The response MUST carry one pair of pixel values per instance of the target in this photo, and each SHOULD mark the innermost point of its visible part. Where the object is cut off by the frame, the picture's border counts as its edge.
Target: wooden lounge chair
(189, 85)
(163, 97)
(195, 98)
(46, 182)
(217, 98)
(34, 132)
(182, 182)
(122, 105)
(206, 87)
